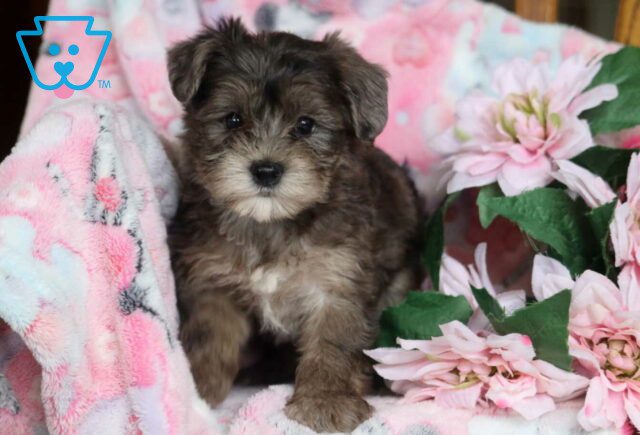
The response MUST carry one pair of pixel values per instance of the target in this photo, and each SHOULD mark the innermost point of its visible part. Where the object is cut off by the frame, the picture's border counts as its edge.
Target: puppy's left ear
(365, 85)
(188, 61)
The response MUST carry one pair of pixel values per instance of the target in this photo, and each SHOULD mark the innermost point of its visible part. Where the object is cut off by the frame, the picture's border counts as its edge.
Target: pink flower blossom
(593, 189)
(514, 137)
(604, 327)
(456, 280)
(625, 227)
(462, 369)
(605, 340)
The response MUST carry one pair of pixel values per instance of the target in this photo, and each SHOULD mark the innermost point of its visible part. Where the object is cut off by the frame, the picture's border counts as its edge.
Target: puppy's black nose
(266, 174)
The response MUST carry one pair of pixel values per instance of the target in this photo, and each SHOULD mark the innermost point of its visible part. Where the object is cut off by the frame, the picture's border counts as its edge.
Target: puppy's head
(268, 116)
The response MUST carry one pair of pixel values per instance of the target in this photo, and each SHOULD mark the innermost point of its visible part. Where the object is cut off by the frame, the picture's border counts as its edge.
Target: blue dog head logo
(70, 66)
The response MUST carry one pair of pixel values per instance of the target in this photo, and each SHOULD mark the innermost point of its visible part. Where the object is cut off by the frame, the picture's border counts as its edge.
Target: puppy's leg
(332, 374)
(213, 332)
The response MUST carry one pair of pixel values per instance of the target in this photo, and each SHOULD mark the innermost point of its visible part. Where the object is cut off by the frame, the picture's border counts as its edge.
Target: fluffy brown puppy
(290, 217)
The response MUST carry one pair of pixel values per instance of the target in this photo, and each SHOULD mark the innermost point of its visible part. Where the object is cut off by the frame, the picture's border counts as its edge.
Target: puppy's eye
(304, 126)
(232, 121)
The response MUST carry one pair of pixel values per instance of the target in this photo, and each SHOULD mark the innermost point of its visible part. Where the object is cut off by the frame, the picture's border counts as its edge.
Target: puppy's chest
(286, 282)
(282, 291)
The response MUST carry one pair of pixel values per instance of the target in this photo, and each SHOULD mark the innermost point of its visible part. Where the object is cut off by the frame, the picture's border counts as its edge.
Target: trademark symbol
(104, 84)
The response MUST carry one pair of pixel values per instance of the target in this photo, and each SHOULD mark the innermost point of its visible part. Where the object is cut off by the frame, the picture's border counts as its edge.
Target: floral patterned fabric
(435, 51)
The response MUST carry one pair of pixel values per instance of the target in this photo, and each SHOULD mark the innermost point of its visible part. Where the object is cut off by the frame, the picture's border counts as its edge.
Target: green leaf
(487, 214)
(609, 163)
(600, 218)
(546, 324)
(434, 241)
(621, 69)
(550, 216)
(489, 306)
(420, 317)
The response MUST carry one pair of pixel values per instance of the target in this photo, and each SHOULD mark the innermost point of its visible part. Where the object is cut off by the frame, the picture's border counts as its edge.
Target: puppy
(290, 217)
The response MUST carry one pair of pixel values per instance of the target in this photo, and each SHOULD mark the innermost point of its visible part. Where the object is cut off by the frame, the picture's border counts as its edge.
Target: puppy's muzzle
(266, 174)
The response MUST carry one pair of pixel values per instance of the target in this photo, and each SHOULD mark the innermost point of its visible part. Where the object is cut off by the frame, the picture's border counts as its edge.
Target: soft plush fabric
(86, 280)
(262, 414)
(434, 50)
(88, 340)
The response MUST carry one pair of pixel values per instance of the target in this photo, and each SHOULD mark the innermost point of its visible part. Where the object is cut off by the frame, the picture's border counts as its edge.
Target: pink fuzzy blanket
(88, 329)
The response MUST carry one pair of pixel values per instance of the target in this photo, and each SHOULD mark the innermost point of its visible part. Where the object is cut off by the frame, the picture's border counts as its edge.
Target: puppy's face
(268, 116)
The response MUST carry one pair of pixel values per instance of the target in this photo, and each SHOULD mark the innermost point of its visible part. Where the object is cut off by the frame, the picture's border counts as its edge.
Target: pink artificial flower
(605, 340)
(456, 280)
(604, 327)
(593, 189)
(625, 227)
(514, 138)
(462, 369)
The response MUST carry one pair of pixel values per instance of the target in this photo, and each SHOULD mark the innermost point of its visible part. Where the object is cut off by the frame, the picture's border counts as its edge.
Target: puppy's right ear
(188, 61)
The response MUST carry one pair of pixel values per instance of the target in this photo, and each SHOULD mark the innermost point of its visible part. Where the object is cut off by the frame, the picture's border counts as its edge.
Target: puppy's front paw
(213, 372)
(328, 412)
(214, 388)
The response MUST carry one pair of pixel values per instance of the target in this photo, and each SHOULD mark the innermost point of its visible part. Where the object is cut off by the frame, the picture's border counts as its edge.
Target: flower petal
(549, 277)
(477, 164)
(620, 234)
(593, 414)
(633, 178)
(515, 179)
(512, 300)
(465, 398)
(392, 355)
(399, 372)
(629, 283)
(506, 392)
(479, 322)
(584, 356)
(418, 394)
(512, 347)
(632, 407)
(534, 407)
(572, 77)
(462, 339)
(593, 189)
(557, 383)
(435, 370)
(454, 279)
(435, 346)
(573, 137)
(463, 180)
(520, 154)
(511, 77)
(593, 297)
(593, 98)
(476, 114)
(480, 256)
(616, 408)
(538, 78)
(445, 143)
